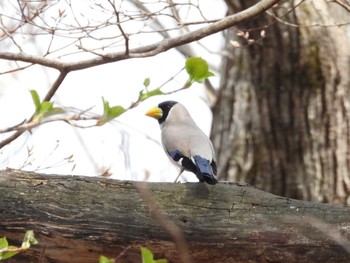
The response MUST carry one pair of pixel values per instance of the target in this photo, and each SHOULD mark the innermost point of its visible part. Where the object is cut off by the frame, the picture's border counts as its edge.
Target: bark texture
(76, 219)
(282, 119)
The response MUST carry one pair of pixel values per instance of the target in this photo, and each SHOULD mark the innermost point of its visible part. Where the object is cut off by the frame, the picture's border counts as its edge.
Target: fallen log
(77, 219)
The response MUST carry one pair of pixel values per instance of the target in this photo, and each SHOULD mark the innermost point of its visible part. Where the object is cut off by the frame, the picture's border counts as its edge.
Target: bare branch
(126, 38)
(149, 50)
(55, 85)
(47, 62)
(279, 18)
(343, 4)
(27, 126)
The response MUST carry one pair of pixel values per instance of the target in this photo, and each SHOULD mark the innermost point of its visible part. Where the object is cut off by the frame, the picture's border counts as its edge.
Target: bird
(187, 146)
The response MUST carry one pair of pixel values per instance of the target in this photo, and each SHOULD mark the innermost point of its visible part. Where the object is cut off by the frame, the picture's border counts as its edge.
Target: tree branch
(125, 36)
(149, 50)
(343, 4)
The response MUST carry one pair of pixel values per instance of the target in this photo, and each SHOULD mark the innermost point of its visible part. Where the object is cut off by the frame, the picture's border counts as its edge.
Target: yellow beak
(155, 112)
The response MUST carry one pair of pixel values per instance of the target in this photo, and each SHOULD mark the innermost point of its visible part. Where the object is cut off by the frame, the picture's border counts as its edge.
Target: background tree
(281, 121)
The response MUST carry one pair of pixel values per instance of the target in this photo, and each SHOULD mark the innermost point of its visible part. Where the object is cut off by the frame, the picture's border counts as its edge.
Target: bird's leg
(181, 171)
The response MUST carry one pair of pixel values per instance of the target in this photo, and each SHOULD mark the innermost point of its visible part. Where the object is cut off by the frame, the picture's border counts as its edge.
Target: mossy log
(77, 219)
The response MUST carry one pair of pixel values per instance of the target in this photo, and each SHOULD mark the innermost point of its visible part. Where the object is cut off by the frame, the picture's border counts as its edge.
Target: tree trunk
(77, 219)
(282, 119)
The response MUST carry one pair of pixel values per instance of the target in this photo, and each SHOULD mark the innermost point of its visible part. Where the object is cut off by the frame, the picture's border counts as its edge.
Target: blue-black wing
(201, 167)
(184, 161)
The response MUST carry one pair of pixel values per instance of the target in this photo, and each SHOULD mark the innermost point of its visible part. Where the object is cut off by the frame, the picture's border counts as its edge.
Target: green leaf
(104, 259)
(147, 256)
(116, 111)
(197, 69)
(5, 255)
(43, 109)
(4, 245)
(55, 110)
(46, 106)
(145, 95)
(146, 82)
(109, 113)
(29, 239)
(105, 105)
(36, 100)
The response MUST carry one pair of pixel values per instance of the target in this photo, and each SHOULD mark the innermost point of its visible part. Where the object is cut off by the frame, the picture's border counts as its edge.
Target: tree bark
(77, 219)
(282, 120)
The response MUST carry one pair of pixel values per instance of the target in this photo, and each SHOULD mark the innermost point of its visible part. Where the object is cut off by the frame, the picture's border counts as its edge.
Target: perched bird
(184, 142)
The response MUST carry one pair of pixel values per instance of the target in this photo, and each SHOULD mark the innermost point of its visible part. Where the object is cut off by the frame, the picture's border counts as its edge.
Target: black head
(165, 107)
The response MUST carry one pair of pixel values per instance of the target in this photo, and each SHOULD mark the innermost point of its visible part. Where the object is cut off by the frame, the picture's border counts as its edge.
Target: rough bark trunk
(282, 120)
(76, 219)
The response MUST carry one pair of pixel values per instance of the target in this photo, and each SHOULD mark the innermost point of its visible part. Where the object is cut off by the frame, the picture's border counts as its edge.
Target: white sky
(128, 146)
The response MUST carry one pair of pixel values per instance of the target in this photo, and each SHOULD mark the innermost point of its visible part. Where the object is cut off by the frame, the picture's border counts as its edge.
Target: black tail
(208, 178)
(205, 172)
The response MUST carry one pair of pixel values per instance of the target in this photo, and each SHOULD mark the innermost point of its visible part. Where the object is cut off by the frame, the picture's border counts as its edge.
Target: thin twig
(122, 253)
(27, 126)
(279, 18)
(126, 38)
(56, 85)
(171, 78)
(13, 128)
(342, 4)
